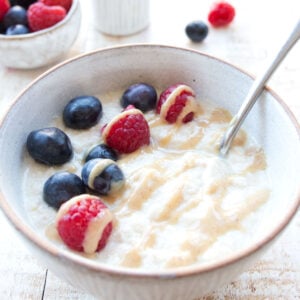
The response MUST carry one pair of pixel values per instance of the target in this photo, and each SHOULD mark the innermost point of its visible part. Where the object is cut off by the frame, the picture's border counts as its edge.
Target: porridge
(181, 203)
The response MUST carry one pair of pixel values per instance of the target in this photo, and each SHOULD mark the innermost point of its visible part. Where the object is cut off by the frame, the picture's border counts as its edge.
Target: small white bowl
(44, 47)
(270, 123)
(120, 17)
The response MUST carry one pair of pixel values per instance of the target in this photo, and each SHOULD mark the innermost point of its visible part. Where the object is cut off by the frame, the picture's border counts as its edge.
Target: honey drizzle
(259, 161)
(175, 200)
(214, 224)
(143, 191)
(220, 115)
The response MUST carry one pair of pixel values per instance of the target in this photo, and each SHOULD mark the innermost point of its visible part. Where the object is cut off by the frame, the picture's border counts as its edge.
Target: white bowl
(120, 17)
(270, 123)
(44, 47)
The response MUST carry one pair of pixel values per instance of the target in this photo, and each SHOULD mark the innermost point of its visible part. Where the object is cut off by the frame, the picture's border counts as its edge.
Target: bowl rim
(179, 272)
(49, 30)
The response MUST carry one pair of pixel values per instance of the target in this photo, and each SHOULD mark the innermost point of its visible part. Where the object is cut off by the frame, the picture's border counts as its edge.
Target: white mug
(120, 17)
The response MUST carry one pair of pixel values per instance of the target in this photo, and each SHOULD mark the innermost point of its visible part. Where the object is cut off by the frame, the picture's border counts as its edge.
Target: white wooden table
(257, 32)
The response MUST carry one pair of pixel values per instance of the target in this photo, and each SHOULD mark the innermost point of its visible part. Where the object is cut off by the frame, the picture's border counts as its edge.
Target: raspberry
(127, 132)
(41, 16)
(84, 223)
(64, 3)
(177, 103)
(221, 14)
(4, 7)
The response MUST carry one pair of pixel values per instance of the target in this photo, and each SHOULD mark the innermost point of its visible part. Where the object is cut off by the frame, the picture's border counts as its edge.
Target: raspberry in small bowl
(39, 33)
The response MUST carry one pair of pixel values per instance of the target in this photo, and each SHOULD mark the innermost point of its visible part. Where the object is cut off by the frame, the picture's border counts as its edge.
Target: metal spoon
(256, 90)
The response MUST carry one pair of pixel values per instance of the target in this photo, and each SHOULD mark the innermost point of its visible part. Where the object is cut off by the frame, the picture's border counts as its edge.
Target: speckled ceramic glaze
(41, 48)
(270, 123)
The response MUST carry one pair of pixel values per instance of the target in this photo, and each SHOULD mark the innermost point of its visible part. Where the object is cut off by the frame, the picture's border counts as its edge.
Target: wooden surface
(257, 32)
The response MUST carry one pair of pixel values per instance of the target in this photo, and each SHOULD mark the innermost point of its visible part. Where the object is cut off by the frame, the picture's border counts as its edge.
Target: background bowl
(99, 72)
(44, 47)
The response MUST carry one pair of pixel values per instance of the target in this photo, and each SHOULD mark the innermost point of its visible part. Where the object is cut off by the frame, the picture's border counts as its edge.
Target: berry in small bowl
(16, 15)
(4, 8)
(36, 34)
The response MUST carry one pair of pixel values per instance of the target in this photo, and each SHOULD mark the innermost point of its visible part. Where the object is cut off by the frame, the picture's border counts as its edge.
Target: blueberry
(17, 29)
(15, 15)
(82, 112)
(102, 151)
(102, 176)
(141, 95)
(197, 31)
(61, 187)
(50, 146)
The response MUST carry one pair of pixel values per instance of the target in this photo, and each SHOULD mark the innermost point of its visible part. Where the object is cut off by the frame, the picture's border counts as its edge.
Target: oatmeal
(181, 203)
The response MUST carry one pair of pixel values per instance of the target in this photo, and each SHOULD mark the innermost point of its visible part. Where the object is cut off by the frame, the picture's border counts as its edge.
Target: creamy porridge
(181, 204)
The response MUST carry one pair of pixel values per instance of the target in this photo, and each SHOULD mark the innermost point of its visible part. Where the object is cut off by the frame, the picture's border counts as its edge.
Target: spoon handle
(256, 90)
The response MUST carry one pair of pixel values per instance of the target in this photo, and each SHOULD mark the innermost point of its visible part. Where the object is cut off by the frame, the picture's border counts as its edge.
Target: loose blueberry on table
(197, 31)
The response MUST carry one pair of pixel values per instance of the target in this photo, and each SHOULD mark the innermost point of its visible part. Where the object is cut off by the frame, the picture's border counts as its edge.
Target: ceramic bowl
(270, 123)
(120, 17)
(44, 47)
